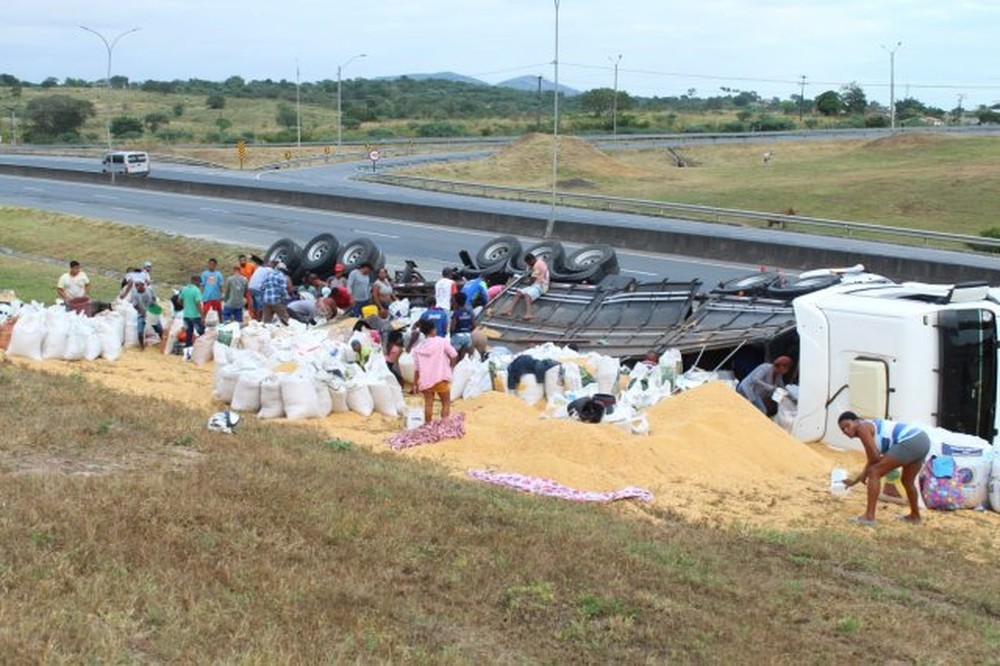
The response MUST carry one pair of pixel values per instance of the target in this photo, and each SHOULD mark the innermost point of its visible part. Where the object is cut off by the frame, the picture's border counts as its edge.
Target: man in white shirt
(256, 287)
(73, 284)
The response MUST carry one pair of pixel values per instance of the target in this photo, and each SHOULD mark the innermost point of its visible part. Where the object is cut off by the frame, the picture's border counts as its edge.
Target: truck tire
(589, 256)
(498, 251)
(754, 284)
(356, 252)
(286, 251)
(320, 254)
(551, 252)
(800, 287)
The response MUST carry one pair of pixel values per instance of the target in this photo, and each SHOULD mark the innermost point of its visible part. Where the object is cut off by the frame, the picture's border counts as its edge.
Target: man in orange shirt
(246, 269)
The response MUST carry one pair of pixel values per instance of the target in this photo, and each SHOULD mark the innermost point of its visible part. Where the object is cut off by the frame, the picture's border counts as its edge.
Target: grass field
(919, 181)
(46, 242)
(129, 533)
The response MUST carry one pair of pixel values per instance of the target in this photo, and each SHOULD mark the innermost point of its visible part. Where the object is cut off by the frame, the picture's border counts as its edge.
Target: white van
(127, 162)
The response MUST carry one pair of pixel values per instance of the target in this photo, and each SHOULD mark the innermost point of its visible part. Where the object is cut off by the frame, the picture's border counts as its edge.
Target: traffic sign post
(374, 156)
(241, 151)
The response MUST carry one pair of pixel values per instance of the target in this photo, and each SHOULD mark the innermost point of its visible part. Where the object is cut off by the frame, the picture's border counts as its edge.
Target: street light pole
(340, 68)
(892, 83)
(107, 80)
(555, 131)
(298, 108)
(614, 100)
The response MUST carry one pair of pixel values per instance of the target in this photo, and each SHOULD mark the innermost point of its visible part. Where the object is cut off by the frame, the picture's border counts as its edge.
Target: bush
(733, 126)
(438, 128)
(992, 232)
(769, 123)
(127, 127)
(215, 101)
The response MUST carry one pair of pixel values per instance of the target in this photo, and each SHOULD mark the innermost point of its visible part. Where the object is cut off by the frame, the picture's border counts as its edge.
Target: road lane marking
(373, 233)
(632, 270)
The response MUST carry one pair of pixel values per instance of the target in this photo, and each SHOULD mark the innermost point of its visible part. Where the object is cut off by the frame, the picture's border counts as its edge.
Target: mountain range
(528, 83)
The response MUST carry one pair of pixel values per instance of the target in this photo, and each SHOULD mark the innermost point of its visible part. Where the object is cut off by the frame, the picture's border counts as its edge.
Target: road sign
(374, 155)
(241, 151)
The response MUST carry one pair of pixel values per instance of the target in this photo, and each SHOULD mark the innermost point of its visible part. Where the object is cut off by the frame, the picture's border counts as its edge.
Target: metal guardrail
(690, 211)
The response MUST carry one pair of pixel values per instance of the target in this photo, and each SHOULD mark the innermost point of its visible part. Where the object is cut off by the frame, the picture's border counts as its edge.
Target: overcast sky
(949, 47)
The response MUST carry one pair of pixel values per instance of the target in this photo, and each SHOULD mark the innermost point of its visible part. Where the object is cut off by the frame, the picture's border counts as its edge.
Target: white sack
(27, 336)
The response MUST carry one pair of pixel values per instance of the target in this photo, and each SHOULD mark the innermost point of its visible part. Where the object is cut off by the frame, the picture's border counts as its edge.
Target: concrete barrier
(897, 262)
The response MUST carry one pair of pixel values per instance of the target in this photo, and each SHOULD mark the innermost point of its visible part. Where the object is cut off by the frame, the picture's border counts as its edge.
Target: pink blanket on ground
(452, 427)
(549, 488)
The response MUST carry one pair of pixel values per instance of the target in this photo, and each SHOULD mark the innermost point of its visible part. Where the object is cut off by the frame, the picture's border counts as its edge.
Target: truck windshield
(968, 397)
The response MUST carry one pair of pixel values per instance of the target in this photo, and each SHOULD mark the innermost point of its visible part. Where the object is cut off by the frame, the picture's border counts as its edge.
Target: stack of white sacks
(297, 372)
(42, 333)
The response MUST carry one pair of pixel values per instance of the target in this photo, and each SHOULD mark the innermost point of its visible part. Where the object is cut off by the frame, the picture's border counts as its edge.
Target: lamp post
(614, 100)
(555, 130)
(298, 108)
(340, 68)
(892, 83)
(13, 125)
(110, 46)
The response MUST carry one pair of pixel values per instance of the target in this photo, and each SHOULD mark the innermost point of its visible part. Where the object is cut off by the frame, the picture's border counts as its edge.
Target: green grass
(104, 249)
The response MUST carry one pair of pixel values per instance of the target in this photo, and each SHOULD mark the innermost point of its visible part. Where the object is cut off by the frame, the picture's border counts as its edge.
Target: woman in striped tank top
(888, 445)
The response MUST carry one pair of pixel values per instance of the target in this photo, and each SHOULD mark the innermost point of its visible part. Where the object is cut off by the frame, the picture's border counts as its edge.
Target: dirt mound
(902, 141)
(532, 154)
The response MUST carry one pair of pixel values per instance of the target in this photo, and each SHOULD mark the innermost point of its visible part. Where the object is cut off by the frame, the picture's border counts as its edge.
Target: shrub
(438, 128)
(733, 126)
(992, 232)
(215, 101)
(127, 127)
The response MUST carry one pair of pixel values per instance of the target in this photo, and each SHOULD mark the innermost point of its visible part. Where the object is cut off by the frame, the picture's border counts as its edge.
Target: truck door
(968, 366)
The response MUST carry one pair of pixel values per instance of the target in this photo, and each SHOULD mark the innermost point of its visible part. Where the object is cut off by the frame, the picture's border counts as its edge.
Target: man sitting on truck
(758, 386)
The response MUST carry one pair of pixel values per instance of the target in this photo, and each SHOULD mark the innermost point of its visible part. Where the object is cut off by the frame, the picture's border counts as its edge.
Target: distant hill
(527, 83)
(444, 76)
(530, 83)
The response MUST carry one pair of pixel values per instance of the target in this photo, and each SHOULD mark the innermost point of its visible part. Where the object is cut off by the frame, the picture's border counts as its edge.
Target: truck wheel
(754, 284)
(357, 252)
(286, 251)
(320, 254)
(800, 287)
(590, 256)
(499, 250)
(551, 252)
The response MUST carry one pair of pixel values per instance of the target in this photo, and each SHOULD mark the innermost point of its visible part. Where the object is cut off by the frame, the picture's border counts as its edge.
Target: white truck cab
(909, 352)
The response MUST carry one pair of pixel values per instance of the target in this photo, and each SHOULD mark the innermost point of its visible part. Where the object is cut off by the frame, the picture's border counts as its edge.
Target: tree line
(442, 107)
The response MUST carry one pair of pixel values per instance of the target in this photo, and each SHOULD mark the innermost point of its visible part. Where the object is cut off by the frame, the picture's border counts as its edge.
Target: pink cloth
(494, 291)
(432, 359)
(549, 488)
(452, 427)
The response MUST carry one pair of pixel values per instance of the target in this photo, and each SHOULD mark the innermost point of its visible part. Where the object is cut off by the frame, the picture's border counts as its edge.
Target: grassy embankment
(130, 533)
(919, 181)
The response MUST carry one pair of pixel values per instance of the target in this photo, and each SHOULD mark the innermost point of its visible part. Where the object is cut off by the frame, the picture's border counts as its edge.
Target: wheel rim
(318, 251)
(353, 254)
(497, 252)
(588, 258)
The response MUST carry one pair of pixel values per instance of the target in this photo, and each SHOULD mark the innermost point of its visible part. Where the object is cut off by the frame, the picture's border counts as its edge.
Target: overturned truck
(913, 352)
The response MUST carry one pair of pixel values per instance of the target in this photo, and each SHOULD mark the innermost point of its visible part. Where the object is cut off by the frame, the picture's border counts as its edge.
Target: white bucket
(414, 418)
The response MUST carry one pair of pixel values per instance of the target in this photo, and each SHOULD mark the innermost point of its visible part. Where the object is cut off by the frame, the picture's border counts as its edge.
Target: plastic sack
(479, 382)
(299, 397)
(246, 391)
(382, 398)
(201, 352)
(407, 367)
(607, 374)
(939, 486)
(359, 400)
(993, 487)
(553, 381)
(460, 376)
(324, 402)
(973, 462)
(57, 330)
(111, 341)
(529, 390)
(27, 336)
(271, 406)
(338, 399)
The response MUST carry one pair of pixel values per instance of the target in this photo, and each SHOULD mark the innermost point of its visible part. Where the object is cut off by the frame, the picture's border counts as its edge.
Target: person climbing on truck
(888, 445)
(538, 285)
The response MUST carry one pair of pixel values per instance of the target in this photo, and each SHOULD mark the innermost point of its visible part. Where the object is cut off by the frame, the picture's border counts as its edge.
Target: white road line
(105, 196)
(209, 209)
(34, 189)
(632, 270)
(373, 233)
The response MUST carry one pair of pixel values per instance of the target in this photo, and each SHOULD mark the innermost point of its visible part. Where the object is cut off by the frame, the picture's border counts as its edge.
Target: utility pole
(614, 100)
(340, 91)
(802, 95)
(13, 125)
(892, 83)
(298, 108)
(555, 130)
(538, 106)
